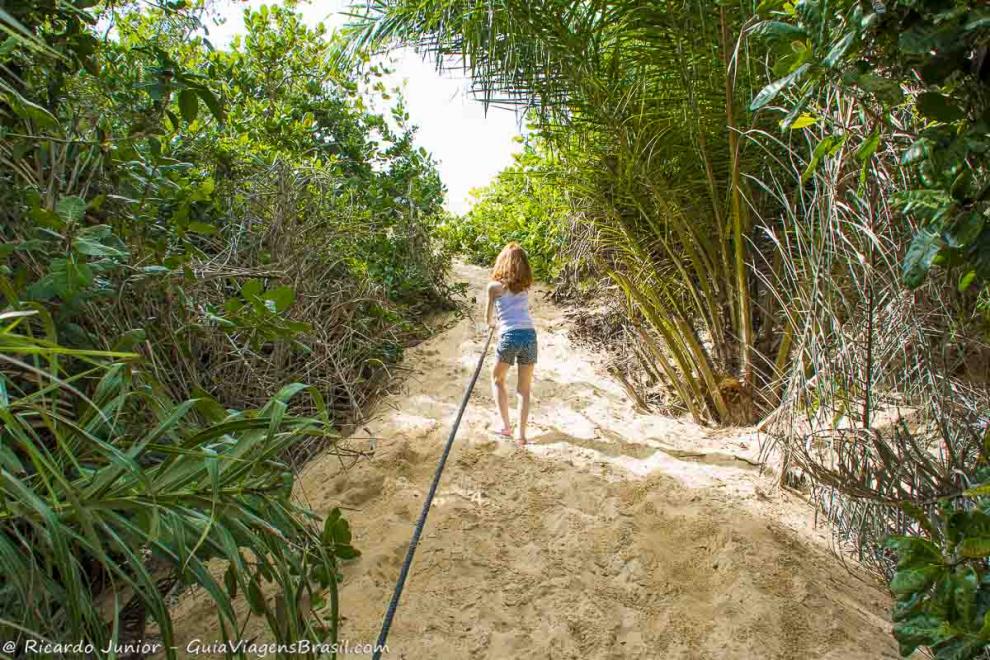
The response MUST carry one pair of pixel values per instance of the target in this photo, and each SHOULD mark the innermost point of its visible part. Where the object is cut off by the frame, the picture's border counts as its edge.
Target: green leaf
(966, 228)
(938, 107)
(255, 597)
(978, 491)
(974, 547)
(233, 305)
(826, 147)
(839, 49)
(211, 102)
(201, 228)
(341, 531)
(282, 296)
(46, 218)
(230, 581)
(965, 584)
(188, 104)
(321, 573)
(65, 279)
(155, 146)
(803, 121)
(920, 630)
(94, 248)
(977, 21)
(771, 30)
(252, 288)
(345, 552)
(868, 148)
(71, 208)
(918, 40)
(31, 112)
(906, 607)
(8, 46)
(964, 283)
(770, 92)
(918, 260)
(914, 551)
(886, 90)
(911, 580)
(328, 525)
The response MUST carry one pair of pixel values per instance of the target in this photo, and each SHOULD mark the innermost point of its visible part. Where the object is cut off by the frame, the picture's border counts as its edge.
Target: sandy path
(614, 535)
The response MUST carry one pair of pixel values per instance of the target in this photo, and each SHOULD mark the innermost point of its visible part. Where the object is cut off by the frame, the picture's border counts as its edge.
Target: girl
(508, 297)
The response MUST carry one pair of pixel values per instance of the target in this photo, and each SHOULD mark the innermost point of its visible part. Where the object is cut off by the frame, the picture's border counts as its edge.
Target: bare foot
(505, 433)
(521, 441)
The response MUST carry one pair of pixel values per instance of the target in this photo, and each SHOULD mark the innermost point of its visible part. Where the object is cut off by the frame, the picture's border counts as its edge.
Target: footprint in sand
(405, 457)
(369, 487)
(385, 563)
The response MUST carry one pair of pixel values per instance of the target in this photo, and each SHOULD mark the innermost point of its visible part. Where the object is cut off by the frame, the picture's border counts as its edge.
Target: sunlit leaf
(188, 104)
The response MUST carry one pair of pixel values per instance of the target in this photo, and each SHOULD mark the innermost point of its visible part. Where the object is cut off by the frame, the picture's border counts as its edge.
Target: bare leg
(501, 395)
(523, 386)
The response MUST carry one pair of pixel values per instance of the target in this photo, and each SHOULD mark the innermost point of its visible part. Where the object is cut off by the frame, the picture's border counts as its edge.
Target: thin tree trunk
(738, 218)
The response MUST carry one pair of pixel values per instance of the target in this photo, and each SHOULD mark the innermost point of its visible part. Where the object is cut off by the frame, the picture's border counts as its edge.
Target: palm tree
(644, 102)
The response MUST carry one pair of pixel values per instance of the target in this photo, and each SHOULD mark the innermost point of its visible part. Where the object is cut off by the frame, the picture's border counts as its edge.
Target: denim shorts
(517, 344)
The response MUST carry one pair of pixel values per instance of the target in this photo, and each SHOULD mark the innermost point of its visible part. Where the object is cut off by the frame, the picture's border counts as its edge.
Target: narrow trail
(615, 534)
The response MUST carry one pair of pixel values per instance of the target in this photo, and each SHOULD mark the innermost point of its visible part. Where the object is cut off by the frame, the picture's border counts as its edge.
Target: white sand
(614, 534)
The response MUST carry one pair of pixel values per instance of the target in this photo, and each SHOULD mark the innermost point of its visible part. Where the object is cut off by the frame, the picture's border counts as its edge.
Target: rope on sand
(404, 572)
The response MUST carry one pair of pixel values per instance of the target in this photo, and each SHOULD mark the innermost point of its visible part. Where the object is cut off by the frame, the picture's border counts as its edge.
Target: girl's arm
(493, 290)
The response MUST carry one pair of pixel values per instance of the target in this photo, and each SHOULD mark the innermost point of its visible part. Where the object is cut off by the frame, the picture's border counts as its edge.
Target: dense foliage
(524, 203)
(127, 492)
(943, 601)
(929, 58)
(186, 232)
(209, 255)
(289, 175)
(641, 104)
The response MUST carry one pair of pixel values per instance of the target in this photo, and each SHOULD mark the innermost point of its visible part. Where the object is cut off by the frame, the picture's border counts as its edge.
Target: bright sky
(470, 146)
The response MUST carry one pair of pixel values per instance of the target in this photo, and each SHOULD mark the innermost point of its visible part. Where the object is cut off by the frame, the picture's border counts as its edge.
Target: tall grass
(879, 397)
(347, 323)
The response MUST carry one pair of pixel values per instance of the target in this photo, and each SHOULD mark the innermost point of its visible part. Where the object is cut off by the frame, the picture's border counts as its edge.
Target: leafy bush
(942, 583)
(928, 56)
(197, 228)
(181, 177)
(525, 203)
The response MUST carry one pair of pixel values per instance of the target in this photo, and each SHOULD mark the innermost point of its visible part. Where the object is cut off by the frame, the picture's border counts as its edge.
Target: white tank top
(513, 311)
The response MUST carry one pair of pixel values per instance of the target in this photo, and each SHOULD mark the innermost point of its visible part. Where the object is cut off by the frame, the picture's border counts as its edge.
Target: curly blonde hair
(512, 268)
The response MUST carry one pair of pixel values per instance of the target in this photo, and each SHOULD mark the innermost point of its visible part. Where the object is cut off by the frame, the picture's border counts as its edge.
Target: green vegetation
(208, 260)
(654, 160)
(919, 69)
(125, 488)
(940, 585)
(210, 257)
(524, 203)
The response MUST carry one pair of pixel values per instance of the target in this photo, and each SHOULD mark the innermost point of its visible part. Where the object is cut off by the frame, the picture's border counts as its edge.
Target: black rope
(387, 622)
